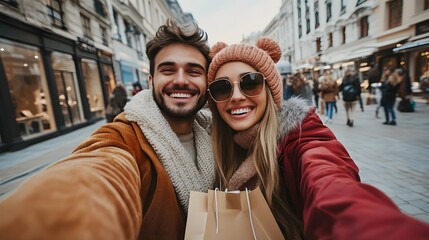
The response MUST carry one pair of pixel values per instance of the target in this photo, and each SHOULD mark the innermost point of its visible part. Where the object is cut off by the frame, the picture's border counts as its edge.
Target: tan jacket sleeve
(93, 194)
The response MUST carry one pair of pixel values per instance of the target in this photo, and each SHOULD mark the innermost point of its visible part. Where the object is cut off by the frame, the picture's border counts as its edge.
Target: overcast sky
(231, 20)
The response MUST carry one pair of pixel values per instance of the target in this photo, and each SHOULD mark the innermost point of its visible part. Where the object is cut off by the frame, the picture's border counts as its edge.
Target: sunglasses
(251, 85)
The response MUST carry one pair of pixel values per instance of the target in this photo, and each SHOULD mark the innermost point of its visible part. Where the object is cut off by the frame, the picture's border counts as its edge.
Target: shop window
(55, 12)
(94, 93)
(86, 26)
(67, 87)
(364, 25)
(108, 78)
(128, 77)
(395, 13)
(28, 88)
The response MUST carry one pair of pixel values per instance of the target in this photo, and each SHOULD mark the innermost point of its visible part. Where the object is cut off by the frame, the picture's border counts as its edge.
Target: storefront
(50, 85)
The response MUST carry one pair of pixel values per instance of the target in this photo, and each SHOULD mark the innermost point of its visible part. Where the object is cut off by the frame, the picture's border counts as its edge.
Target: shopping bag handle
(248, 206)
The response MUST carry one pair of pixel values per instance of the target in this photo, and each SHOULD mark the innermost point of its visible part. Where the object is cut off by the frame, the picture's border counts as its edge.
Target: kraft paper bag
(225, 215)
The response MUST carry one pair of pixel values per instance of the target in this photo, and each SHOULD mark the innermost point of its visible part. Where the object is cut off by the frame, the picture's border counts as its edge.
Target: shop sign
(422, 27)
(86, 45)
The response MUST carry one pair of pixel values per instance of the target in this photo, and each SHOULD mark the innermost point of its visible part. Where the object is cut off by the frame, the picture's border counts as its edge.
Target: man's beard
(178, 111)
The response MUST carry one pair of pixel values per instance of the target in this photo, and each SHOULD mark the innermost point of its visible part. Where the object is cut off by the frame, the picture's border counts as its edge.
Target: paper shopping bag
(226, 215)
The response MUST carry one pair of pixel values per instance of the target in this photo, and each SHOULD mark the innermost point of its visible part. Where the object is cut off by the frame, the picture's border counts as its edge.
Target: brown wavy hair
(172, 32)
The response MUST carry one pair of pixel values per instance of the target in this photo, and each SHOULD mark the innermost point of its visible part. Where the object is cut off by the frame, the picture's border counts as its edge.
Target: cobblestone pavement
(395, 159)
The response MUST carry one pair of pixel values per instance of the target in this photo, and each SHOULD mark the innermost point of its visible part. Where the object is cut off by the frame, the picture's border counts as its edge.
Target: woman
(350, 88)
(329, 92)
(307, 177)
(116, 104)
(388, 97)
(300, 87)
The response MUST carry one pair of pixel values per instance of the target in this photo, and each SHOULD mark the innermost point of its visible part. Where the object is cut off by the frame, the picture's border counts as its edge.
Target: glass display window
(28, 88)
(109, 78)
(67, 87)
(94, 92)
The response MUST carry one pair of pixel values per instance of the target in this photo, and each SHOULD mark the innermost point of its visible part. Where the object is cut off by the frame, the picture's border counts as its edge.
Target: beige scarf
(245, 176)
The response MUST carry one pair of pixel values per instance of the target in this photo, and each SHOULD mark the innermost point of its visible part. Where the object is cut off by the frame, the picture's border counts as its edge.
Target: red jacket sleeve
(325, 187)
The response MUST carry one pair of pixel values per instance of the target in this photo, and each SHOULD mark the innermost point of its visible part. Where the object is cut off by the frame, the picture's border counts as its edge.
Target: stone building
(60, 59)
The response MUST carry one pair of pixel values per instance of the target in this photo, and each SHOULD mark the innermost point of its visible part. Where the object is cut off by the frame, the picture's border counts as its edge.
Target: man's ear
(150, 82)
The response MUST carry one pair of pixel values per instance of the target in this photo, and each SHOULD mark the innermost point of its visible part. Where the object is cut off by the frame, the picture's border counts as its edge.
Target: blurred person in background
(350, 89)
(137, 87)
(117, 100)
(301, 88)
(389, 91)
(378, 90)
(329, 92)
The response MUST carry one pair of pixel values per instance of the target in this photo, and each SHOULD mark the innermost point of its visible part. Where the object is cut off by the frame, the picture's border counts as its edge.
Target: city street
(394, 159)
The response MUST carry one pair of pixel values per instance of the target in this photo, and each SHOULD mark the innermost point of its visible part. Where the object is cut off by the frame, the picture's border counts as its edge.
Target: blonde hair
(229, 156)
(394, 78)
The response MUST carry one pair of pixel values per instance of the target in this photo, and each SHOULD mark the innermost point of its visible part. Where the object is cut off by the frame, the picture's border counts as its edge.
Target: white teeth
(240, 111)
(180, 95)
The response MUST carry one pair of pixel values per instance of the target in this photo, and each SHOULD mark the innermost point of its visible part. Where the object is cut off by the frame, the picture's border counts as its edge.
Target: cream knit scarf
(185, 174)
(245, 176)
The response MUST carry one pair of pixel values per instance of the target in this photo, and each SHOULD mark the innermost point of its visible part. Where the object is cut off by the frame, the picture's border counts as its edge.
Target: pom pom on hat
(263, 56)
(217, 48)
(271, 47)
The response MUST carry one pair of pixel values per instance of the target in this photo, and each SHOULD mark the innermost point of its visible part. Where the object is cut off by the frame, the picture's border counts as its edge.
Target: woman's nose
(236, 92)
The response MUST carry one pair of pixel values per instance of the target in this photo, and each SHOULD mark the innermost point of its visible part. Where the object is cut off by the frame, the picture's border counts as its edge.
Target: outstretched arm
(335, 204)
(93, 194)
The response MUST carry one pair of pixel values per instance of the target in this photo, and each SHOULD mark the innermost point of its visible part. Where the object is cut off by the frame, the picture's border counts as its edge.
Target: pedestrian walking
(301, 88)
(379, 93)
(137, 87)
(350, 89)
(117, 100)
(308, 179)
(329, 92)
(132, 178)
(389, 91)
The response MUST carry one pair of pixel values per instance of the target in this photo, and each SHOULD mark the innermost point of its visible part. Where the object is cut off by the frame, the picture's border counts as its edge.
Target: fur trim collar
(291, 114)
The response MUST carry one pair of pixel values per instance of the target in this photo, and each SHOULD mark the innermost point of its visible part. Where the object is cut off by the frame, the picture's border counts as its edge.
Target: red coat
(324, 185)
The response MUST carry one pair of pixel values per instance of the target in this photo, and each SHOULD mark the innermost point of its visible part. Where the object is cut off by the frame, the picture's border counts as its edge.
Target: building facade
(133, 24)
(365, 35)
(55, 67)
(60, 60)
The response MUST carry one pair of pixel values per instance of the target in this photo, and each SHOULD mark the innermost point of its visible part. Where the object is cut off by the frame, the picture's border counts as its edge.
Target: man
(132, 178)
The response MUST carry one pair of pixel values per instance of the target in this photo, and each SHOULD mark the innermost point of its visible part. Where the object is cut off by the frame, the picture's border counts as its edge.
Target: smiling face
(240, 112)
(179, 81)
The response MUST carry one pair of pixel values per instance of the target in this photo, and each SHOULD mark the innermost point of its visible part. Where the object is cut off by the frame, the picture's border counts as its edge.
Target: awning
(390, 42)
(347, 55)
(412, 45)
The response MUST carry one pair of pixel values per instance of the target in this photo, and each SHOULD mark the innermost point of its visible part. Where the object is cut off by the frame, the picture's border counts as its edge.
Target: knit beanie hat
(262, 57)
